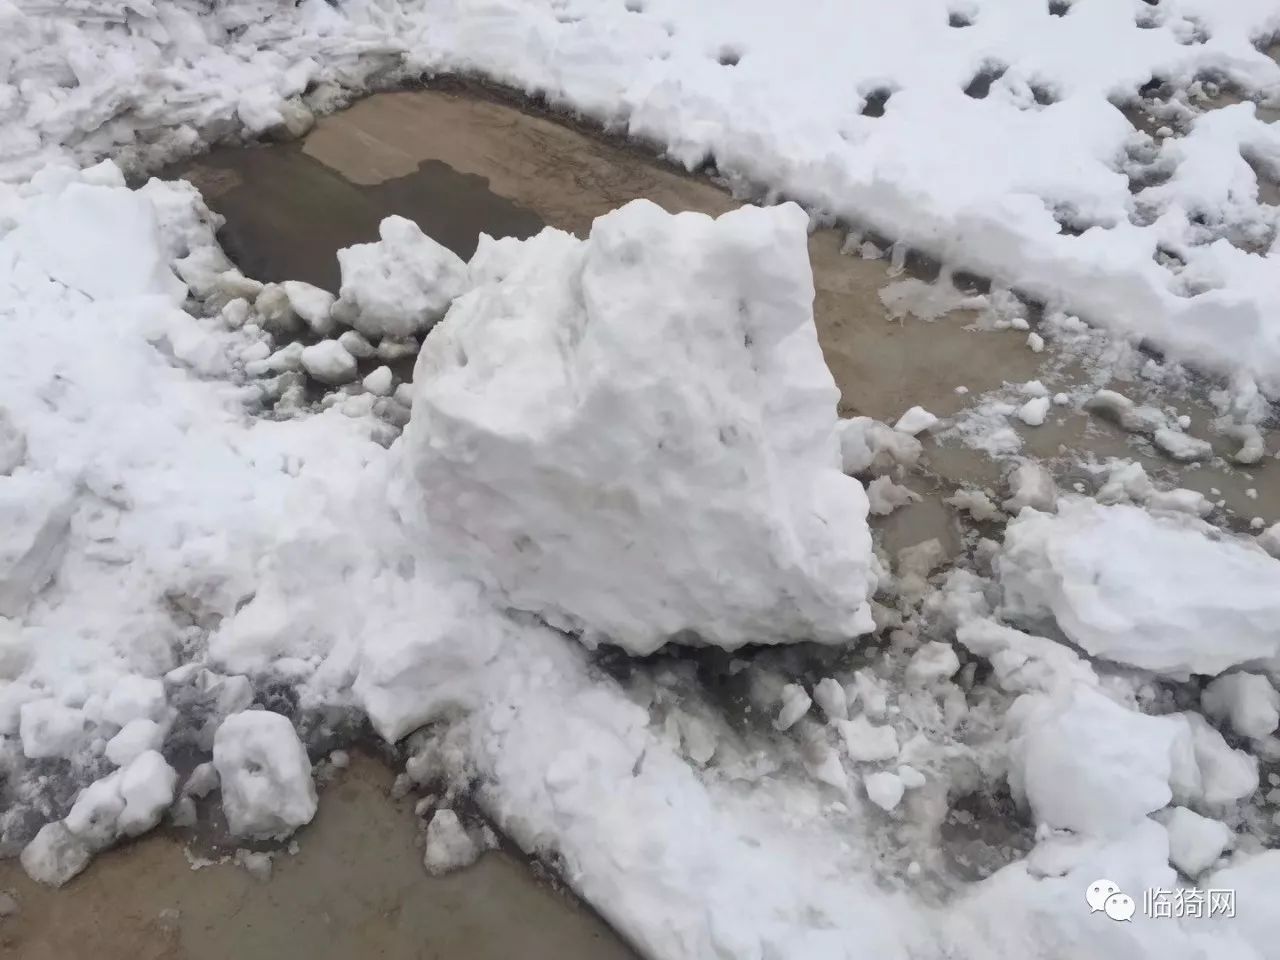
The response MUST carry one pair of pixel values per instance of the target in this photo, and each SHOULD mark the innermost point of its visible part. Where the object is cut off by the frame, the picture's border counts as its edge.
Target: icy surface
(1166, 593)
(634, 435)
(264, 773)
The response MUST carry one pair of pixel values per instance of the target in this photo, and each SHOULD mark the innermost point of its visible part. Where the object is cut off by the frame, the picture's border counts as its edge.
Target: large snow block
(634, 436)
(1170, 594)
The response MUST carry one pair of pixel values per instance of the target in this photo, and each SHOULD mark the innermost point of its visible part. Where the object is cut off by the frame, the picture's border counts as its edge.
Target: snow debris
(448, 847)
(1035, 343)
(1024, 663)
(795, 704)
(275, 310)
(1126, 414)
(1034, 411)
(50, 729)
(1181, 447)
(1084, 763)
(265, 775)
(976, 503)
(379, 382)
(355, 344)
(831, 699)
(1195, 842)
(867, 444)
(1247, 701)
(256, 864)
(313, 305)
(911, 778)
(867, 742)
(391, 350)
(884, 789)
(400, 285)
(933, 662)
(1031, 485)
(128, 802)
(135, 737)
(885, 496)
(1165, 592)
(915, 421)
(202, 781)
(329, 362)
(506, 453)
(1252, 446)
(35, 513)
(133, 697)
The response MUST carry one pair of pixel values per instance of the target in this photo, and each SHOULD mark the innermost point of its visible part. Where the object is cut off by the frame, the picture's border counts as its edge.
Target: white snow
(795, 704)
(1031, 485)
(329, 362)
(1034, 411)
(448, 846)
(915, 421)
(400, 285)
(1247, 701)
(634, 436)
(867, 742)
(135, 737)
(379, 382)
(312, 304)
(1166, 592)
(1195, 842)
(867, 443)
(265, 775)
(884, 789)
(831, 698)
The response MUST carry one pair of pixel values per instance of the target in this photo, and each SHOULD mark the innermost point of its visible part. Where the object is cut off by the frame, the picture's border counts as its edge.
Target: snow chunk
(265, 775)
(915, 421)
(379, 382)
(885, 496)
(1247, 700)
(1181, 446)
(313, 305)
(884, 789)
(1034, 411)
(1031, 485)
(1166, 593)
(634, 435)
(867, 443)
(831, 699)
(132, 697)
(400, 285)
(49, 729)
(135, 738)
(934, 661)
(867, 742)
(1087, 764)
(35, 514)
(795, 704)
(448, 845)
(329, 362)
(55, 855)
(1269, 540)
(1195, 842)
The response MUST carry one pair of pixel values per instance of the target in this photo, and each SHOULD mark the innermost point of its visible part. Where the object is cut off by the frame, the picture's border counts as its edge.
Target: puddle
(356, 888)
(288, 214)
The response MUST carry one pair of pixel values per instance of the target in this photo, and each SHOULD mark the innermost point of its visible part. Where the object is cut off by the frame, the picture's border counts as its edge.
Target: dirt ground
(356, 890)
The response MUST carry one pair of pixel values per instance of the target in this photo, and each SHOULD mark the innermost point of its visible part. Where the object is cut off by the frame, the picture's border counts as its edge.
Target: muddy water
(356, 889)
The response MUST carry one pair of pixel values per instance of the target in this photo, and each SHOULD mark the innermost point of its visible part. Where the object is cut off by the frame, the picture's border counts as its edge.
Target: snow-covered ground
(217, 490)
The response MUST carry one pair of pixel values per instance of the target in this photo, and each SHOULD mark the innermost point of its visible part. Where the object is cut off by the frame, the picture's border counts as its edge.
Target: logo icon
(1106, 896)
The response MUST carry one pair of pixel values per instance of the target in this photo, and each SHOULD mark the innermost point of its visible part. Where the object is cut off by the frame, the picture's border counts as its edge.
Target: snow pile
(1167, 593)
(265, 775)
(126, 803)
(399, 286)
(634, 435)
